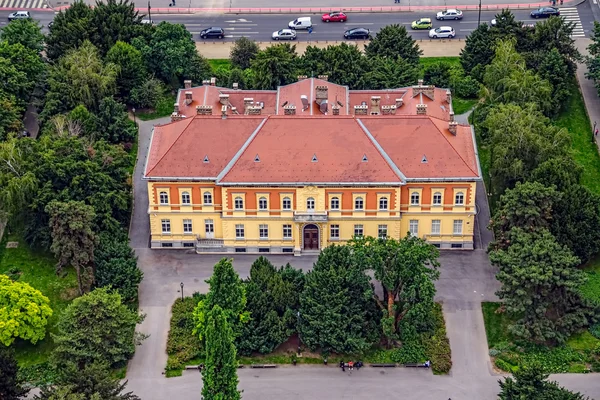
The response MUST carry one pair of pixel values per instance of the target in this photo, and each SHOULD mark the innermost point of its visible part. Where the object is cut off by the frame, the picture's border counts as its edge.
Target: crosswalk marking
(23, 4)
(571, 14)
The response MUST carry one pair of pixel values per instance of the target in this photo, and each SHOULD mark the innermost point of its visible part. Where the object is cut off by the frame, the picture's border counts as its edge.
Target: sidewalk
(437, 48)
(588, 90)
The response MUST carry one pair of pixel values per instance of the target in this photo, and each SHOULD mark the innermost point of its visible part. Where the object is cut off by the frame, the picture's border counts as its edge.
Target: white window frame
(383, 203)
(289, 203)
(240, 232)
(457, 227)
(436, 223)
(209, 226)
(263, 231)
(165, 225)
(439, 195)
(335, 203)
(287, 231)
(382, 232)
(359, 203)
(359, 230)
(413, 227)
(263, 203)
(334, 232)
(459, 196)
(187, 226)
(310, 204)
(163, 197)
(186, 198)
(239, 200)
(415, 199)
(207, 198)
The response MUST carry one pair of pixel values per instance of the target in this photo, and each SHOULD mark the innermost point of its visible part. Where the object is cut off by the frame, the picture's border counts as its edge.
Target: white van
(300, 23)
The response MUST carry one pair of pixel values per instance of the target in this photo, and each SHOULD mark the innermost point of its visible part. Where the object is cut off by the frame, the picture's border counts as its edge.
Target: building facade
(308, 165)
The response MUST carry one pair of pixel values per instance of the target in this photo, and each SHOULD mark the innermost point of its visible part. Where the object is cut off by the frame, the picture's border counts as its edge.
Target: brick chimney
(176, 108)
(453, 127)
(449, 96)
(361, 110)
(254, 110)
(321, 93)
(421, 109)
(302, 77)
(188, 98)
(205, 82)
(236, 86)
(187, 84)
(289, 110)
(388, 110)
(335, 109)
(224, 99)
(248, 101)
(204, 110)
(175, 116)
(375, 100)
(399, 103)
(213, 81)
(451, 114)
(323, 77)
(224, 112)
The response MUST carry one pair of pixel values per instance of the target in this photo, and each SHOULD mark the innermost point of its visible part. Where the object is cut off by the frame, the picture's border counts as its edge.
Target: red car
(335, 16)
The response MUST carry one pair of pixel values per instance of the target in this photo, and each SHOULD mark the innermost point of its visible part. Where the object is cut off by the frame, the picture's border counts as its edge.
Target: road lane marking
(359, 23)
(236, 29)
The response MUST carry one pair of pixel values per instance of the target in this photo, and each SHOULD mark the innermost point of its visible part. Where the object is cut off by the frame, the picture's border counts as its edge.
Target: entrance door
(311, 237)
(209, 228)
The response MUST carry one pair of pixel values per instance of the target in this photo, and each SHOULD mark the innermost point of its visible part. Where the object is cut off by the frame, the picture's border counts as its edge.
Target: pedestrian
(561, 2)
(350, 365)
(343, 366)
(596, 132)
(553, 3)
(427, 364)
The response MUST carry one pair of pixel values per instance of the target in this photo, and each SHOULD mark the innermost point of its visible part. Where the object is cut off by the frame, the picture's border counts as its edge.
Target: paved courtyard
(467, 278)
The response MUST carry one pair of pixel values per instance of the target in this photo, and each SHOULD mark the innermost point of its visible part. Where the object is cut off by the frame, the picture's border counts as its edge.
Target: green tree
(79, 78)
(219, 376)
(10, 117)
(438, 74)
(24, 312)
(17, 182)
(532, 383)
(556, 34)
(242, 53)
(20, 69)
(27, 32)
(11, 385)
(116, 266)
(236, 75)
(73, 240)
(394, 41)
(554, 69)
(593, 60)
(228, 292)
(478, 52)
(274, 66)
(114, 124)
(96, 328)
(114, 21)
(70, 29)
(335, 304)
(407, 269)
(147, 94)
(86, 121)
(132, 69)
(560, 172)
(273, 302)
(540, 286)
(93, 382)
(386, 73)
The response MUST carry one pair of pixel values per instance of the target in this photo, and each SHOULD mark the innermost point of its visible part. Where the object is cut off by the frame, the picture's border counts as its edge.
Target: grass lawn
(591, 288)
(163, 109)
(38, 270)
(585, 152)
(427, 61)
(216, 63)
(461, 106)
(576, 356)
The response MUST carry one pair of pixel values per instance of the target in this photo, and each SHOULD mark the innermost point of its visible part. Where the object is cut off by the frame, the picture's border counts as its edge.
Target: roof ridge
(382, 152)
(453, 148)
(188, 120)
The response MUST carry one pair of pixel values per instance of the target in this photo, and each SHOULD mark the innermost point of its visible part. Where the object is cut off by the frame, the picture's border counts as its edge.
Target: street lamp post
(181, 284)
(134, 120)
(149, 14)
(479, 18)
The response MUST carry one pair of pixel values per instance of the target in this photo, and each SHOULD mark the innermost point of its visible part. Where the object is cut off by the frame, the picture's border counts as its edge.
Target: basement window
(264, 250)
(287, 250)
(240, 249)
(188, 244)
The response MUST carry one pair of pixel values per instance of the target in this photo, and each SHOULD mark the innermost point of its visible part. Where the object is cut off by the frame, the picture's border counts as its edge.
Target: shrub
(439, 353)
(494, 352)
(505, 366)
(553, 360)
(147, 94)
(182, 344)
(464, 86)
(438, 74)
(116, 266)
(410, 352)
(595, 331)
(578, 369)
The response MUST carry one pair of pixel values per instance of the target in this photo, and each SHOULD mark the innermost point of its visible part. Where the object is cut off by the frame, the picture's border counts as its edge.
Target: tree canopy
(393, 41)
(11, 384)
(532, 383)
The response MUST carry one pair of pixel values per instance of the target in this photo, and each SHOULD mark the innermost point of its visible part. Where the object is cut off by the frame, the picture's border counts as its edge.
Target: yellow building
(313, 163)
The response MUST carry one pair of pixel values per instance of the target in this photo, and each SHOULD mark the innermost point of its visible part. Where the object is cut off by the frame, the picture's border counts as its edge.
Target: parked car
(545, 12)
(449, 14)
(357, 33)
(212, 32)
(147, 21)
(335, 16)
(423, 23)
(494, 22)
(284, 34)
(442, 32)
(300, 23)
(18, 15)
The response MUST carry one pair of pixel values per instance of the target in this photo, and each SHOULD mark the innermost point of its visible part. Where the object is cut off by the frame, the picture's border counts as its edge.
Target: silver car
(284, 34)
(18, 15)
(449, 14)
(442, 32)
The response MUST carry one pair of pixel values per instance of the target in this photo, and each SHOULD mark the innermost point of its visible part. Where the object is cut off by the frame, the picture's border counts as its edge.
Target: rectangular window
(209, 227)
(164, 198)
(436, 227)
(185, 198)
(263, 231)
(413, 227)
(358, 230)
(166, 244)
(458, 227)
(287, 231)
(187, 226)
(287, 203)
(287, 250)
(382, 232)
(240, 249)
(188, 244)
(166, 225)
(334, 232)
(264, 250)
(239, 231)
(456, 246)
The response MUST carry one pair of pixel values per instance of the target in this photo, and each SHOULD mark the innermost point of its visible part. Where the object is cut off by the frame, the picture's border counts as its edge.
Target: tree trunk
(390, 308)
(79, 279)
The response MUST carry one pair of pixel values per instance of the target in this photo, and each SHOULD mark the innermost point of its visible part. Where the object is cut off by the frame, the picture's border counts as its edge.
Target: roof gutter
(460, 179)
(476, 152)
(148, 154)
(310, 184)
(177, 178)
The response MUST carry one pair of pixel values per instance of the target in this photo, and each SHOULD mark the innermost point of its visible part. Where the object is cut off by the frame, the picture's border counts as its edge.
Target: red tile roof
(308, 87)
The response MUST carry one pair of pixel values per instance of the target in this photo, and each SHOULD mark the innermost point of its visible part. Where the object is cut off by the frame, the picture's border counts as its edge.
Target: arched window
(383, 203)
(207, 198)
(185, 197)
(239, 203)
(262, 203)
(335, 203)
(310, 203)
(359, 203)
(287, 203)
(414, 199)
(437, 199)
(459, 199)
(164, 198)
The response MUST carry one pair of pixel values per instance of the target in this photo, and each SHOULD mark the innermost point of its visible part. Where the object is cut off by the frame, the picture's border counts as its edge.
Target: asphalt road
(259, 27)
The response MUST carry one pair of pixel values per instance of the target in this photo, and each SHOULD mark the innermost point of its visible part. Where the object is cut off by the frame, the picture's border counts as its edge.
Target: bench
(263, 366)
(415, 365)
(383, 365)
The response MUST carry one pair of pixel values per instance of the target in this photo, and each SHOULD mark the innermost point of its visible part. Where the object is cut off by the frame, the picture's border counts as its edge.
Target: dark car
(545, 12)
(212, 32)
(357, 33)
